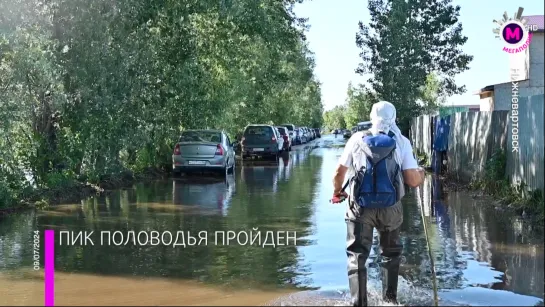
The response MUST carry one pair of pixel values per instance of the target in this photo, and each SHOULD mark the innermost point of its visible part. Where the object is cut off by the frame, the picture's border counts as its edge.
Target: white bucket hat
(383, 118)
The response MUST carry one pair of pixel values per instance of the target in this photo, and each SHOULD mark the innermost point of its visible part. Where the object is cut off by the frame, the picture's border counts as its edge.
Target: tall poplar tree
(405, 42)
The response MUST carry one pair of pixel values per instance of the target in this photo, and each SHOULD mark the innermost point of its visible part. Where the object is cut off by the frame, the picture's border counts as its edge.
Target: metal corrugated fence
(421, 135)
(527, 164)
(475, 136)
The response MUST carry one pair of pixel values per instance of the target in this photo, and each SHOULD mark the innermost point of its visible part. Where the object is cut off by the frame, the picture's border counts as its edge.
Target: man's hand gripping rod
(340, 198)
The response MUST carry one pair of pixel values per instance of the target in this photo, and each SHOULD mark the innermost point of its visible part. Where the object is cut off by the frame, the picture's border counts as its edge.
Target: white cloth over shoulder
(383, 116)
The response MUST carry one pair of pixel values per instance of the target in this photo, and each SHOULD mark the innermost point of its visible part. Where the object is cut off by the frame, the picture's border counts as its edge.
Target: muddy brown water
(482, 256)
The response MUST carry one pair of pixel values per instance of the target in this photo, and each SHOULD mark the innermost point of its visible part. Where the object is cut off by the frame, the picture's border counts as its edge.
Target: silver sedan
(204, 150)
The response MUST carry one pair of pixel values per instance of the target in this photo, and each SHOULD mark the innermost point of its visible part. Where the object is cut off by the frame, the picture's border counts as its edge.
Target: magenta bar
(49, 271)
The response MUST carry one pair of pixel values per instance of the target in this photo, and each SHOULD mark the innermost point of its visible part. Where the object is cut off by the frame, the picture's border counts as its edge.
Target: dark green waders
(360, 223)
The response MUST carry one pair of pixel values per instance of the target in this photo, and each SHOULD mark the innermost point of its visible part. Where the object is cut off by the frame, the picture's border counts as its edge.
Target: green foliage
(59, 180)
(494, 182)
(335, 118)
(430, 96)
(494, 170)
(407, 41)
(7, 193)
(423, 159)
(359, 104)
(89, 88)
(356, 109)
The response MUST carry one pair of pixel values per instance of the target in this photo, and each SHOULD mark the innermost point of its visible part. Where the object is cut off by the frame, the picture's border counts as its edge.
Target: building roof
(535, 20)
(488, 88)
(530, 20)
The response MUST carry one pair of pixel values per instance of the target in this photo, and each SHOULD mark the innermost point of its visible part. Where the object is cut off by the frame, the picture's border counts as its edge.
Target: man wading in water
(380, 162)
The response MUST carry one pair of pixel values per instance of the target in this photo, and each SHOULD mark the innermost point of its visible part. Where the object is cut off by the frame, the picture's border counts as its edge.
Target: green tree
(431, 97)
(334, 118)
(404, 43)
(358, 105)
(90, 89)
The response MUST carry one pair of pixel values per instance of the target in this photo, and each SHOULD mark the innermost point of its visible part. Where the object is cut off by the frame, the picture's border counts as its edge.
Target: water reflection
(475, 250)
(260, 177)
(208, 197)
(15, 232)
(260, 200)
(286, 164)
(481, 256)
(476, 246)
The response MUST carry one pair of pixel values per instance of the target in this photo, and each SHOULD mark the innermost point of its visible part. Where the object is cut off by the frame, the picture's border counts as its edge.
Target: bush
(494, 182)
(423, 159)
(7, 196)
(11, 188)
(59, 180)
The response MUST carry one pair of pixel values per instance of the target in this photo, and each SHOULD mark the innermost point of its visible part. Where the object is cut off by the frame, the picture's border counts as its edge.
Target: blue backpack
(379, 182)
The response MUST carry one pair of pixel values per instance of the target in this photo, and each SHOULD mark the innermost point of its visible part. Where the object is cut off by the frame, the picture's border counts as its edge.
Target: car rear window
(258, 131)
(290, 127)
(282, 130)
(201, 136)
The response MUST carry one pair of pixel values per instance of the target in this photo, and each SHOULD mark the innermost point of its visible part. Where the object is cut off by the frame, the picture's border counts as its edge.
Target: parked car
(312, 134)
(309, 133)
(347, 133)
(291, 130)
(203, 150)
(362, 126)
(306, 134)
(301, 134)
(318, 133)
(284, 132)
(298, 136)
(262, 141)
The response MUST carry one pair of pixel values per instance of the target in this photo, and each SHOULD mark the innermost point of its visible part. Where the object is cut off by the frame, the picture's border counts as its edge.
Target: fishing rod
(430, 254)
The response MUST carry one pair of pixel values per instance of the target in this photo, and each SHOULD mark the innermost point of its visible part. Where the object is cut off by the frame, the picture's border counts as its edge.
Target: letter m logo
(511, 33)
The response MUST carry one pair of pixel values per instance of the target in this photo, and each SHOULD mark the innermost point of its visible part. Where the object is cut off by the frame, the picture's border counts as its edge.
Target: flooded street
(482, 256)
